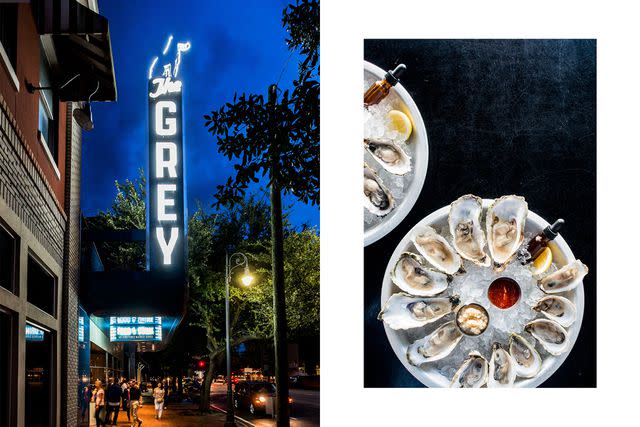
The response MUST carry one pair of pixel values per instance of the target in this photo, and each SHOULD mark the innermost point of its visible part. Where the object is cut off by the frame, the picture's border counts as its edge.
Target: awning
(82, 45)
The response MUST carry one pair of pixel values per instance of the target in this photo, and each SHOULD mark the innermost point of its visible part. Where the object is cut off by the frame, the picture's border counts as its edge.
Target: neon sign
(133, 328)
(166, 221)
(33, 334)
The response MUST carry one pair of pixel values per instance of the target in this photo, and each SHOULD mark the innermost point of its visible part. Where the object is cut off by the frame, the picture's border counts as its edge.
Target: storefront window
(41, 287)
(84, 372)
(39, 399)
(6, 351)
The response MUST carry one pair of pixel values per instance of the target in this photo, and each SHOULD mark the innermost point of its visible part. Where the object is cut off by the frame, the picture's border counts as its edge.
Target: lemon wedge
(542, 262)
(400, 123)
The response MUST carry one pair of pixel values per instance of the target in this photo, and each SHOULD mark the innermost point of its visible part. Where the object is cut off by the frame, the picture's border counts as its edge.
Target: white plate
(430, 376)
(418, 150)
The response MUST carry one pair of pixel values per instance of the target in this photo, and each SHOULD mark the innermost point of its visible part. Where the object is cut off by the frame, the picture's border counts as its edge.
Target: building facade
(44, 331)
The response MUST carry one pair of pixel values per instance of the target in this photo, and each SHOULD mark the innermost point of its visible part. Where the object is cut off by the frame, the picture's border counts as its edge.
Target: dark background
(502, 117)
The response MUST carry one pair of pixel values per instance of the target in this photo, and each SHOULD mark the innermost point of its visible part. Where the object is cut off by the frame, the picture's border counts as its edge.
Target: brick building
(45, 335)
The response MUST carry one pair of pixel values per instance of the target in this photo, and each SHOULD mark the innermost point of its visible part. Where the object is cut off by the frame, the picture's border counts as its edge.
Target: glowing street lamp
(238, 259)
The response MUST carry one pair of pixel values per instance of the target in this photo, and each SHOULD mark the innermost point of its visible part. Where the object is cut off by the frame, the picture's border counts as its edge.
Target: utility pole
(277, 262)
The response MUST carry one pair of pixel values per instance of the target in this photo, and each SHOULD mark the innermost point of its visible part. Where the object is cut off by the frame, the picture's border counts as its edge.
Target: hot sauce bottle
(537, 244)
(380, 89)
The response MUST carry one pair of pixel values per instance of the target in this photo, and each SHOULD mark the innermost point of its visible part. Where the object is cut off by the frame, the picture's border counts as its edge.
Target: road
(305, 410)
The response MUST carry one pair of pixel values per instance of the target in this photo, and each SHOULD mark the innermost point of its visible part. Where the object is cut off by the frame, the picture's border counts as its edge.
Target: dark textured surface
(502, 117)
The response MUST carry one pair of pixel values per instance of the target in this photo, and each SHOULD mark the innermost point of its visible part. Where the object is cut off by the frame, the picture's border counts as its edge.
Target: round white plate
(430, 376)
(418, 147)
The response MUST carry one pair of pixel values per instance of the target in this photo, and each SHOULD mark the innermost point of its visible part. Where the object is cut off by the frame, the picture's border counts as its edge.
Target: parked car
(253, 395)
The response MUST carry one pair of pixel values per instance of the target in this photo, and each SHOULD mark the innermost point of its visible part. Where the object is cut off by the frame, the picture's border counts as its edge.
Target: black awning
(83, 46)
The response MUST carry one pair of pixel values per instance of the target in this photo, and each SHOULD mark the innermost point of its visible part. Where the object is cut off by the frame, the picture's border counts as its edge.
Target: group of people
(126, 395)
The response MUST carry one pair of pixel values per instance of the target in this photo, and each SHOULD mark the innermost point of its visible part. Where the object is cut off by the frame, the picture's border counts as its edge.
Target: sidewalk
(177, 414)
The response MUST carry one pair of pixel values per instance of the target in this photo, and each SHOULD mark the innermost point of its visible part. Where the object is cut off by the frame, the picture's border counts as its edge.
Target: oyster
(377, 199)
(464, 225)
(403, 311)
(565, 279)
(412, 275)
(472, 373)
(437, 250)
(390, 155)
(528, 361)
(557, 308)
(505, 228)
(502, 368)
(435, 346)
(553, 337)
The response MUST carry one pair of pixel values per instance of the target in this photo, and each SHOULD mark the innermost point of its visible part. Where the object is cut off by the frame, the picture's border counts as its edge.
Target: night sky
(235, 47)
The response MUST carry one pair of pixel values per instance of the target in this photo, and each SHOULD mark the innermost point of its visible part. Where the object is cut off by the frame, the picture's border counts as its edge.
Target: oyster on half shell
(390, 155)
(502, 368)
(437, 251)
(553, 337)
(464, 225)
(434, 346)
(558, 309)
(505, 228)
(403, 311)
(565, 279)
(528, 361)
(377, 199)
(472, 373)
(412, 275)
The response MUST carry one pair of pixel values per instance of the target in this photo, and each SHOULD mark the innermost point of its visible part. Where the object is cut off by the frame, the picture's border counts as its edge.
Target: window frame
(14, 289)
(7, 62)
(51, 111)
(33, 257)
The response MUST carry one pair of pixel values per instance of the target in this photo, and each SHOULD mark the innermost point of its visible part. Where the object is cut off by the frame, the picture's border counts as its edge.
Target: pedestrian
(125, 398)
(98, 399)
(158, 400)
(114, 394)
(85, 398)
(136, 400)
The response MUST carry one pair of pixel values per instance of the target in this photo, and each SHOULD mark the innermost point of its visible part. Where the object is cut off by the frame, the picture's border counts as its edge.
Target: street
(305, 410)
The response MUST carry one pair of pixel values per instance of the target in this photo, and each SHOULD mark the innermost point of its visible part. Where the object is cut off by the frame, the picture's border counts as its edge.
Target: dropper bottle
(540, 241)
(380, 89)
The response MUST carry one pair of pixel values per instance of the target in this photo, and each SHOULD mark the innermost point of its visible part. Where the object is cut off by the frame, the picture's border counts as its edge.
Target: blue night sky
(235, 47)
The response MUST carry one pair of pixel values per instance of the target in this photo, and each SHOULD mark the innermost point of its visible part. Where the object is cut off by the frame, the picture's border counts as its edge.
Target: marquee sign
(132, 328)
(166, 227)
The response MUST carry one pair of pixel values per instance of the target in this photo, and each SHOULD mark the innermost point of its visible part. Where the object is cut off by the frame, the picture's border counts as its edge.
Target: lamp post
(238, 259)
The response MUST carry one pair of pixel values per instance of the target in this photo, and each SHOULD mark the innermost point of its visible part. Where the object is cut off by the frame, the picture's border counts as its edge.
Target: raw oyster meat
(412, 275)
(434, 346)
(390, 155)
(472, 373)
(565, 279)
(403, 311)
(505, 228)
(377, 199)
(528, 361)
(502, 368)
(464, 225)
(557, 308)
(437, 250)
(553, 337)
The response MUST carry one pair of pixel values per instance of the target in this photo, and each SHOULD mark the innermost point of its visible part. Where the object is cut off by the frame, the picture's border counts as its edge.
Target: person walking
(136, 400)
(98, 399)
(114, 394)
(158, 400)
(125, 399)
(85, 398)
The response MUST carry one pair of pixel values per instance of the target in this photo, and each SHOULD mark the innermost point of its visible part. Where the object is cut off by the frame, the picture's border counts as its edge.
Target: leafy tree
(279, 139)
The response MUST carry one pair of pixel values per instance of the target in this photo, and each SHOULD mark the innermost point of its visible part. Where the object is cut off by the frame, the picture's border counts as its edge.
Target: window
(39, 379)
(47, 112)
(7, 400)
(9, 39)
(7, 259)
(41, 287)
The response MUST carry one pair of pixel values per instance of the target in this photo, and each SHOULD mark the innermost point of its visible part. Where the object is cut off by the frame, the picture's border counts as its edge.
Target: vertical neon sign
(166, 218)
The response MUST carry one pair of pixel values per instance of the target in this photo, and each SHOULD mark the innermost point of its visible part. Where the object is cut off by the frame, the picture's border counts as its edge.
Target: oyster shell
(464, 225)
(553, 337)
(472, 373)
(505, 228)
(565, 279)
(557, 308)
(412, 275)
(437, 250)
(403, 311)
(377, 199)
(502, 368)
(434, 346)
(390, 155)
(528, 361)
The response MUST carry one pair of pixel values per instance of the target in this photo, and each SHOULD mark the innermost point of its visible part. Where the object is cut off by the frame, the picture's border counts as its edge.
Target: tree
(281, 140)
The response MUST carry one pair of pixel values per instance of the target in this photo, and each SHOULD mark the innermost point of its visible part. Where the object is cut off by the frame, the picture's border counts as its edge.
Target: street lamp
(238, 259)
